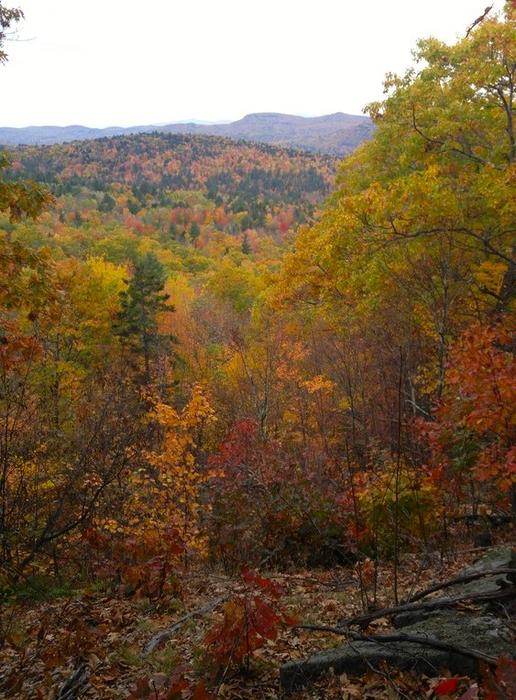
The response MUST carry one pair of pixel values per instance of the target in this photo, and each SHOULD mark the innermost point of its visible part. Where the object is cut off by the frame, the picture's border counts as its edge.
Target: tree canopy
(216, 356)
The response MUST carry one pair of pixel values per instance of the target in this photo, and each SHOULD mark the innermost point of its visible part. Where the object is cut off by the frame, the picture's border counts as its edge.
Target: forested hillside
(249, 395)
(336, 134)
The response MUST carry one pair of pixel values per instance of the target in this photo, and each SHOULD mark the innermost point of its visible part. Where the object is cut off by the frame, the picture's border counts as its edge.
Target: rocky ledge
(485, 631)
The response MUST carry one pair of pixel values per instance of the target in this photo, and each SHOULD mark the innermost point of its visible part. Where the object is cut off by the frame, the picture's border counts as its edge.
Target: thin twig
(496, 594)
(466, 578)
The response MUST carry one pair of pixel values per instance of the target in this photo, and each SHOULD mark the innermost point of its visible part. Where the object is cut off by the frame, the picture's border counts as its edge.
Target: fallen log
(497, 594)
(165, 635)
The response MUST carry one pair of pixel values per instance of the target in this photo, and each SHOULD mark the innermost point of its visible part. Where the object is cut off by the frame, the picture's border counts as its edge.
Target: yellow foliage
(319, 383)
(166, 495)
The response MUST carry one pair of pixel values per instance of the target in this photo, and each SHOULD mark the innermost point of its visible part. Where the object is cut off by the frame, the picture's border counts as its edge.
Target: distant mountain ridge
(335, 134)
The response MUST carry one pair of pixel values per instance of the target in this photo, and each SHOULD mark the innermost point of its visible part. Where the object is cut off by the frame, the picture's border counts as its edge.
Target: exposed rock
(487, 634)
(497, 557)
(482, 632)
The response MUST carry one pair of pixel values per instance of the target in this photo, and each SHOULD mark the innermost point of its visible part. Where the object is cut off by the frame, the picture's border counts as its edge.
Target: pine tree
(140, 305)
(246, 247)
(107, 203)
(194, 231)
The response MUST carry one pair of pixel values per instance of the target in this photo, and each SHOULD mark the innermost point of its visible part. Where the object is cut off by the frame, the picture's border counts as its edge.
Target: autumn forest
(249, 394)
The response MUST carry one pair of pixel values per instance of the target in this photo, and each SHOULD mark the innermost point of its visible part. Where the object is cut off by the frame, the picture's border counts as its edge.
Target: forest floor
(45, 640)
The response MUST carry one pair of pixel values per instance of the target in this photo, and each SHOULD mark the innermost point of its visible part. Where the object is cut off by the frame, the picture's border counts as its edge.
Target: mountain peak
(336, 134)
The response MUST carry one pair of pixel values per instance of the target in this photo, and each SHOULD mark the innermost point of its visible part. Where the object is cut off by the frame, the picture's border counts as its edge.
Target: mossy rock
(487, 634)
(482, 632)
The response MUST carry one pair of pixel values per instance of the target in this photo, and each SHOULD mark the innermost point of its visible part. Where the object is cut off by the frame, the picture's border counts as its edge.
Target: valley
(257, 398)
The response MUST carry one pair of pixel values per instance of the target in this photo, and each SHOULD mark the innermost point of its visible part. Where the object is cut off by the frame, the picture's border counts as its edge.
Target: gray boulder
(484, 632)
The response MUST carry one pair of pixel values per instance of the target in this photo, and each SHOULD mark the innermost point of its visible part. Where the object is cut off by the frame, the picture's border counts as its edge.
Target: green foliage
(319, 345)
(388, 504)
(246, 248)
(38, 587)
(140, 304)
(21, 198)
(194, 231)
(107, 203)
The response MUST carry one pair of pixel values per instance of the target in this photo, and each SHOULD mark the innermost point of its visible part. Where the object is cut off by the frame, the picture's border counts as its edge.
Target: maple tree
(249, 620)
(179, 469)
(472, 438)
(419, 232)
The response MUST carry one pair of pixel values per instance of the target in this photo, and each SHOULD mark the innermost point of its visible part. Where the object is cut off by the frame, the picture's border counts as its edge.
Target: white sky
(127, 62)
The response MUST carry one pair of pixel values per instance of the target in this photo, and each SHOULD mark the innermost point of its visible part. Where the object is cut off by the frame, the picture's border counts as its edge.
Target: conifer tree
(141, 303)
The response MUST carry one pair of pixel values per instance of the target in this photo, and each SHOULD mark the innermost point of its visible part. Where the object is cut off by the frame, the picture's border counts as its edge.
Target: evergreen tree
(133, 206)
(140, 305)
(246, 247)
(107, 203)
(194, 231)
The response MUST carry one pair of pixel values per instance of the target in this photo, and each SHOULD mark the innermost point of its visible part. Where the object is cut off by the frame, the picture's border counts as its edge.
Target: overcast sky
(127, 62)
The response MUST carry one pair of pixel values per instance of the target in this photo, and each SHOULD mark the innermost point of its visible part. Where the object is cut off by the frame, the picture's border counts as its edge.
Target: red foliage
(252, 578)
(502, 684)
(447, 686)
(238, 448)
(250, 619)
(473, 432)
(144, 563)
(16, 348)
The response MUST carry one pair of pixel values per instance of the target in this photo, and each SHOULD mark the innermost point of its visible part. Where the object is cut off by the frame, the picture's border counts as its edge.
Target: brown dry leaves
(45, 642)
